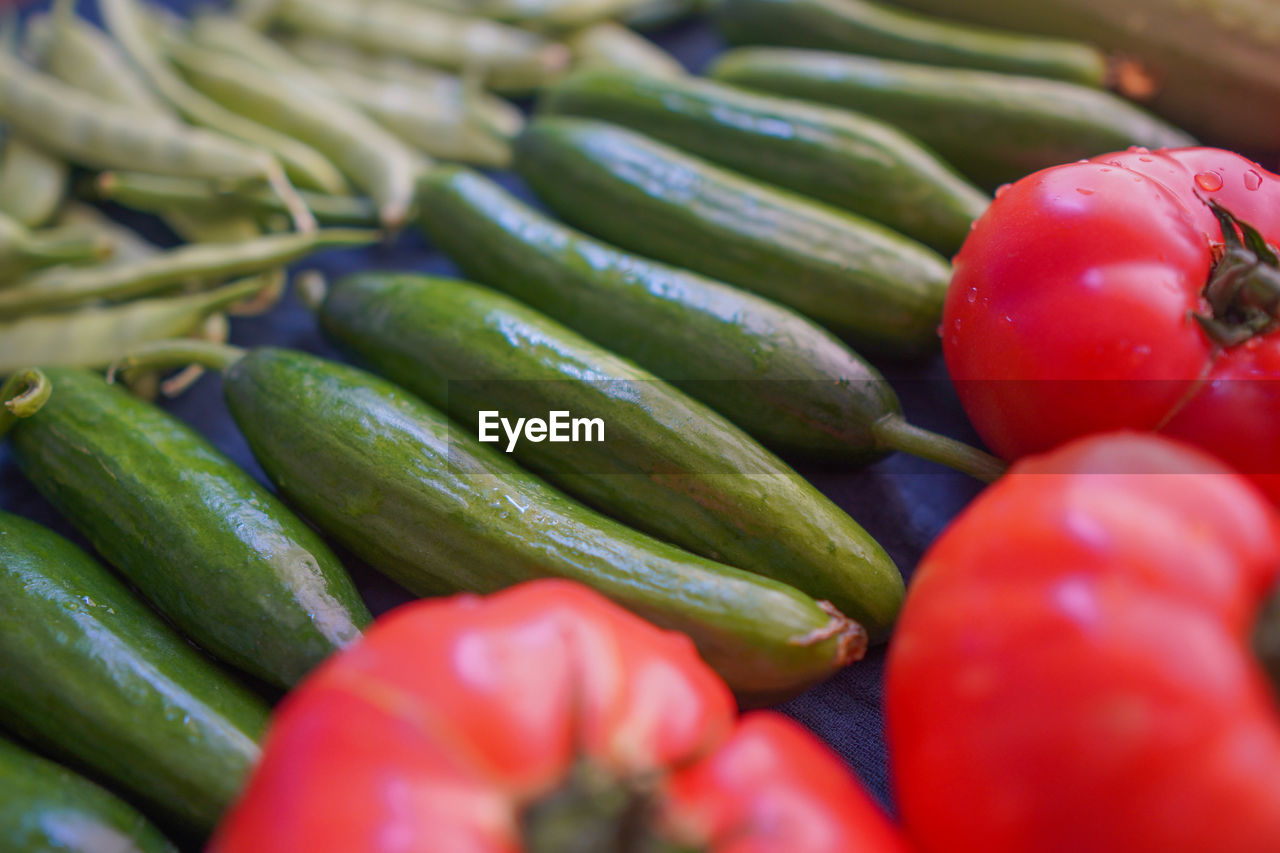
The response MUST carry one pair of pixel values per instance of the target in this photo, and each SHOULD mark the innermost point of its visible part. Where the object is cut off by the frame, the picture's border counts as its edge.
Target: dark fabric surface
(902, 501)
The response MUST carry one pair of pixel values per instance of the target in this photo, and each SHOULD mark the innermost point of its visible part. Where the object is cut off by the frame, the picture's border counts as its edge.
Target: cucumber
(879, 29)
(213, 549)
(861, 280)
(1216, 63)
(667, 465)
(89, 674)
(842, 158)
(47, 807)
(993, 127)
(423, 502)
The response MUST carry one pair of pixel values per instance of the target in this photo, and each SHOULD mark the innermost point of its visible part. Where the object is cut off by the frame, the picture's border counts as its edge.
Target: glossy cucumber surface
(993, 127)
(868, 284)
(889, 31)
(46, 807)
(836, 156)
(664, 463)
(776, 374)
(89, 673)
(418, 499)
(215, 551)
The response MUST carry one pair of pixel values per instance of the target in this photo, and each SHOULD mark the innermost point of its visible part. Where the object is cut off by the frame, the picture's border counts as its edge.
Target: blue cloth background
(903, 502)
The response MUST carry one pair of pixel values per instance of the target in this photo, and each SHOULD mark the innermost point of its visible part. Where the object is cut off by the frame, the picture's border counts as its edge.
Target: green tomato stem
(895, 433)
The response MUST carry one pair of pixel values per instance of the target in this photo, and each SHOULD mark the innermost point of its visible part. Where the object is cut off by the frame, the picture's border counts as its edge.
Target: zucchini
(47, 807)
(861, 280)
(213, 550)
(839, 157)
(665, 463)
(880, 29)
(779, 376)
(423, 502)
(993, 127)
(1216, 63)
(89, 674)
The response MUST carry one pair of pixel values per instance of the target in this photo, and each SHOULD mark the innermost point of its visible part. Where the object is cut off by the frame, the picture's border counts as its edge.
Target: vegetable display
(1072, 670)
(1138, 290)
(572, 725)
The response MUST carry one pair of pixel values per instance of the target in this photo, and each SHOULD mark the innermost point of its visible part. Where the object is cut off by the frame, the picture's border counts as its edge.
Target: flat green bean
(510, 59)
(81, 55)
(32, 182)
(156, 193)
(126, 21)
(198, 262)
(194, 225)
(94, 337)
(375, 160)
(611, 45)
(329, 55)
(127, 245)
(545, 15)
(23, 250)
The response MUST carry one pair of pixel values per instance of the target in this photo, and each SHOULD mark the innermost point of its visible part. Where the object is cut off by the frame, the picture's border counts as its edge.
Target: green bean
(156, 193)
(375, 160)
(647, 15)
(88, 130)
(611, 45)
(23, 250)
(127, 245)
(327, 55)
(94, 337)
(198, 262)
(81, 55)
(546, 15)
(509, 58)
(126, 21)
(194, 225)
(22, 395)
(32, 182)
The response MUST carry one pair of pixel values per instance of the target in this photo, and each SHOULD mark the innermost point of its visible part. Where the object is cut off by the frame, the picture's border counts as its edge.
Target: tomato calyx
(594, 811)
(1266, 638)
(1243, 290)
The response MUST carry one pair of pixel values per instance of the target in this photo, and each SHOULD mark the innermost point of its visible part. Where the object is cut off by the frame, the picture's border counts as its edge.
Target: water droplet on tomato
(1002, 189)
(1084, 191)
(1252, 180)
(972, 295)
(1115, 163)
(1147, 159)
(1139, 149)
(1209, 181)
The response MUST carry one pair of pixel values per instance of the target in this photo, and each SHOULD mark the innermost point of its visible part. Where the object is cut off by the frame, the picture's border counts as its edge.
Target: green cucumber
(993, 127)
(880, 29)
(861, 280)
(47, 807)
(667, 465)
(89, 674)
(212, 548)
(1215, 63)
(423, 502)
(779, 376)
(842, 158)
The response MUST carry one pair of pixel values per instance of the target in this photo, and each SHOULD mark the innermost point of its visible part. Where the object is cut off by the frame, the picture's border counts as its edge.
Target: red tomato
(1072, 669)
(543, 718)
(1072, 309)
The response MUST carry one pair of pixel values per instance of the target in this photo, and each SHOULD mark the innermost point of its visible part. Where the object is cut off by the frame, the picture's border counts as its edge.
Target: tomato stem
(1266, 638)
(1243, 290)
(896, 433)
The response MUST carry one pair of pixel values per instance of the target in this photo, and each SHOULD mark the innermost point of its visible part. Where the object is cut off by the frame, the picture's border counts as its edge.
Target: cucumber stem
(23, 394)
(895, 433)
(166, 355)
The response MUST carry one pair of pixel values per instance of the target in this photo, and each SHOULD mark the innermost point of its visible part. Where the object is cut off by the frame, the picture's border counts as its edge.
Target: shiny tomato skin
(1072, 672)
(451, 717)
(1070, 310)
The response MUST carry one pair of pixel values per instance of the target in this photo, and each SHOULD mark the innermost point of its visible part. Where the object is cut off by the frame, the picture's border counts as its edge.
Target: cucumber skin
(847, 160)
(669, 467)
(89, 673)
(402, 488)
(47, 807)
(877, 29)
(258, 589)
(776, 374)
(994, 128)
(867, 284)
